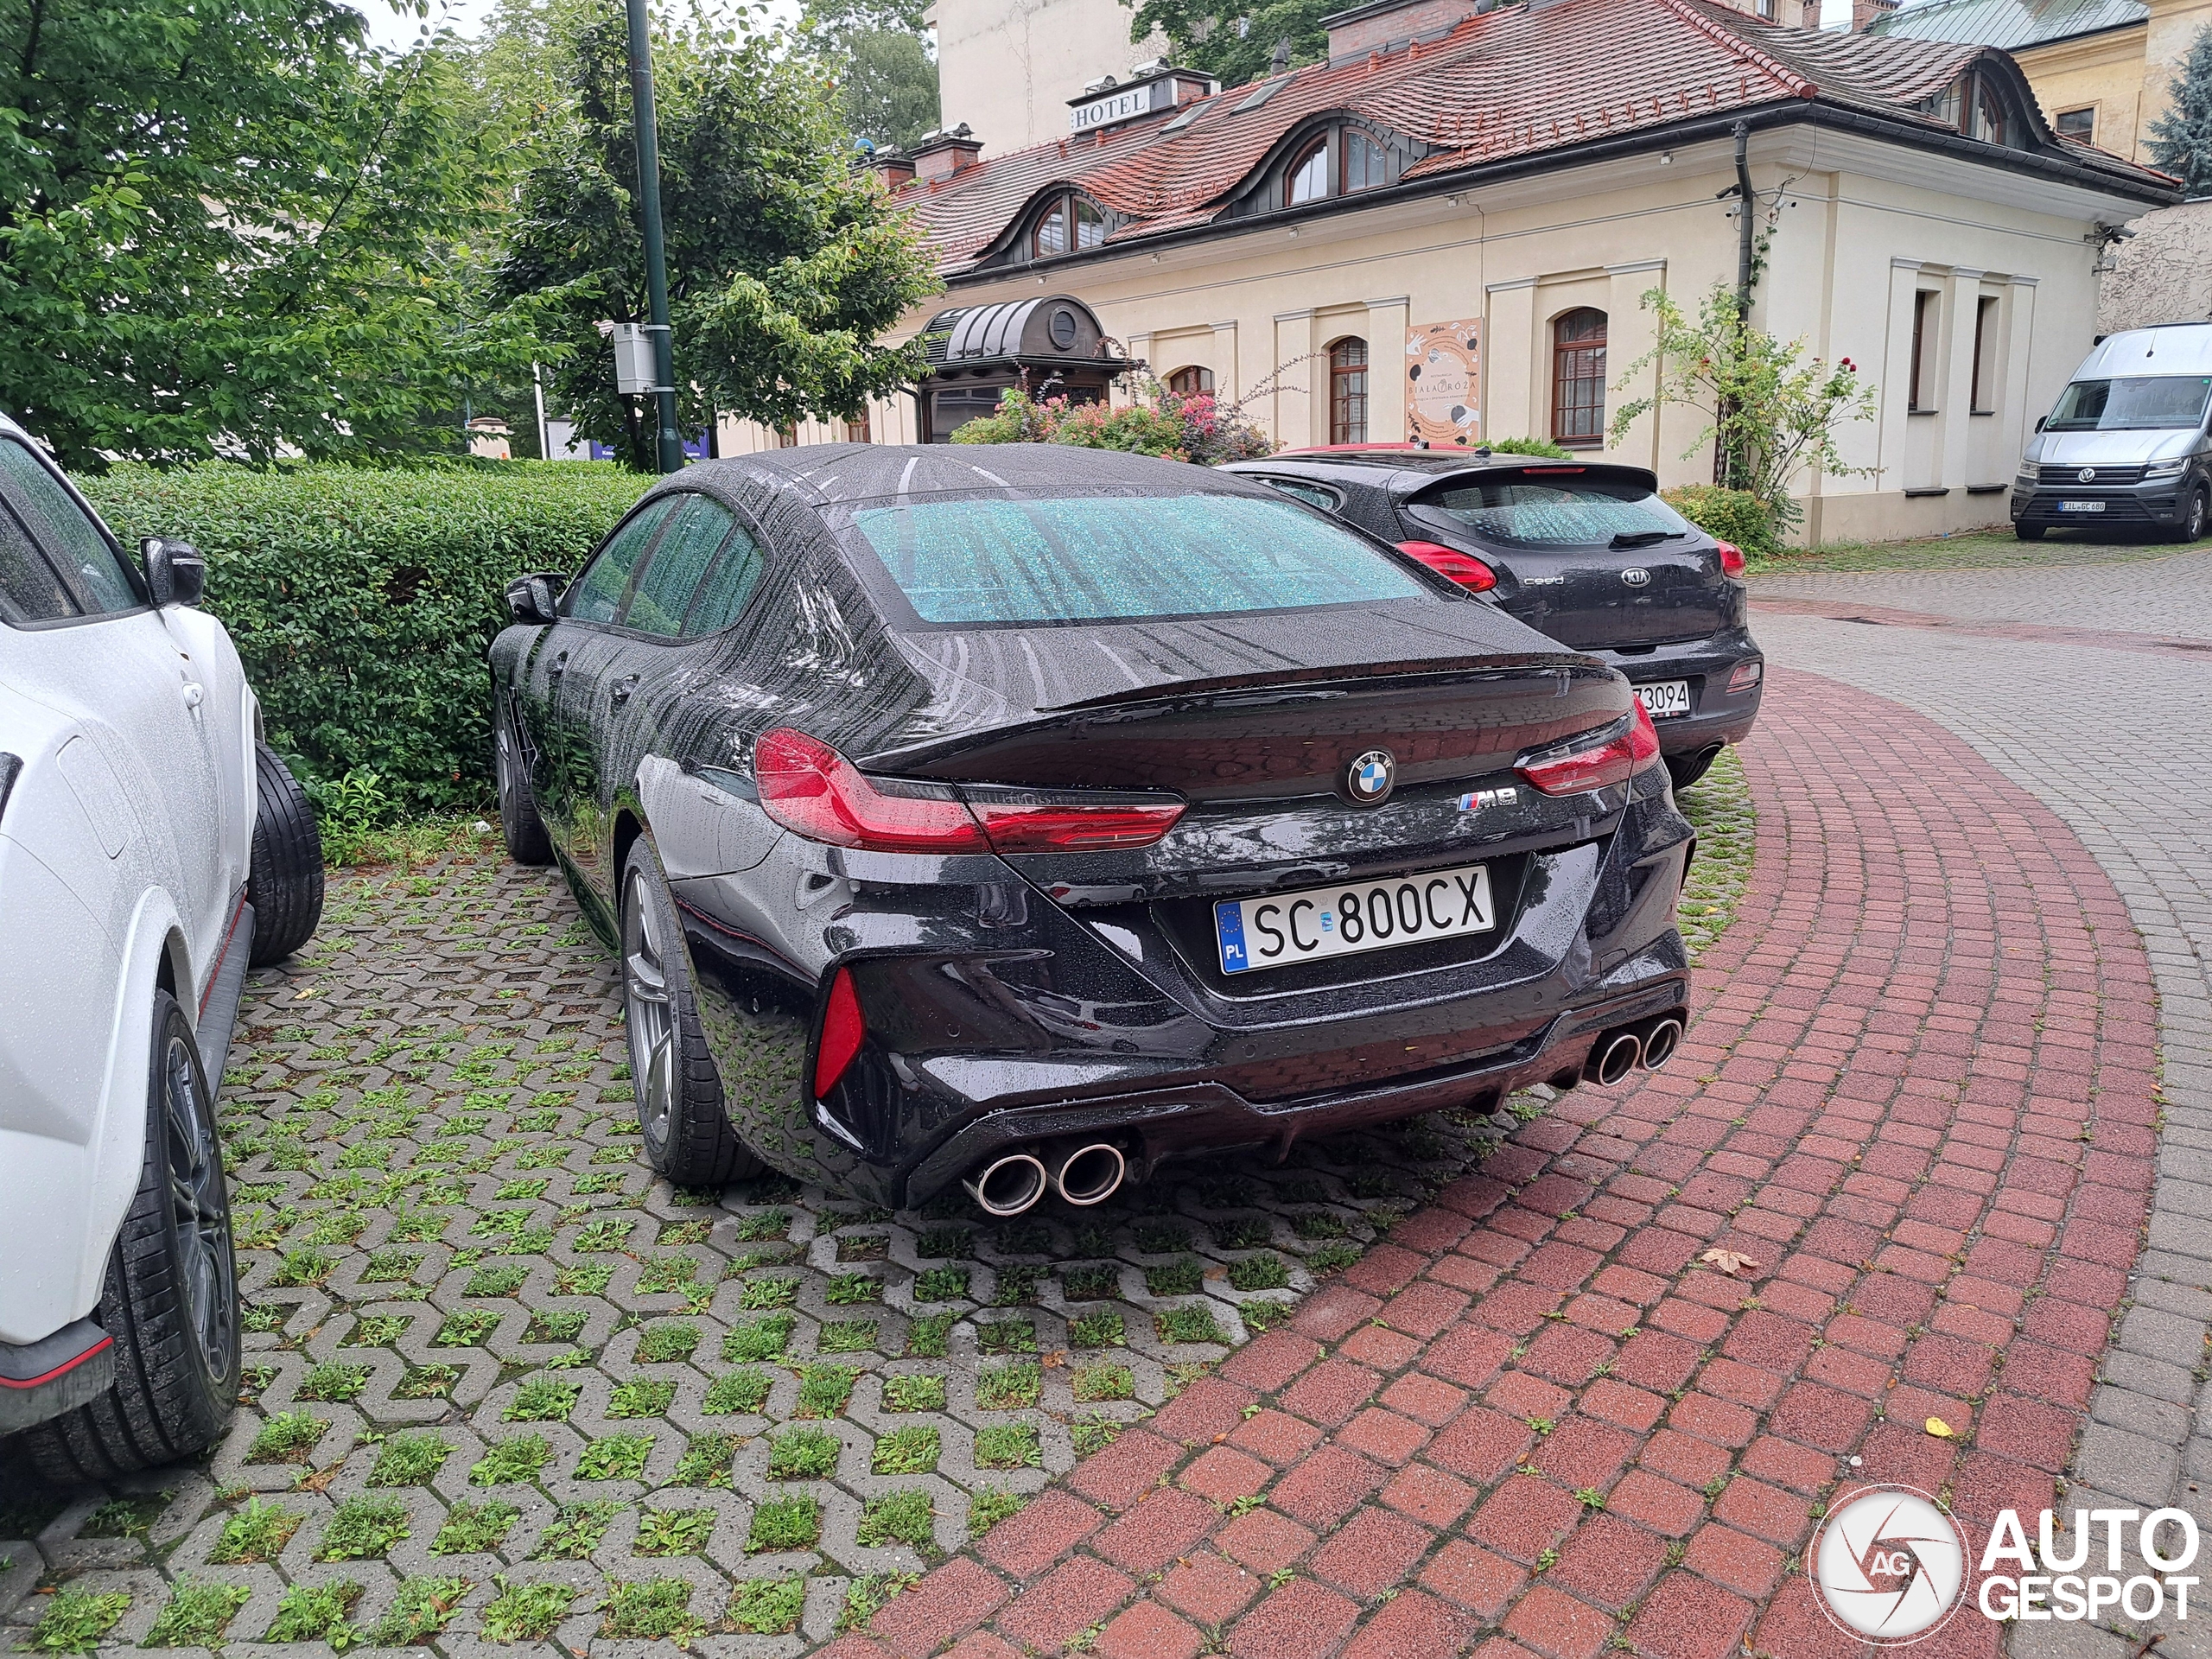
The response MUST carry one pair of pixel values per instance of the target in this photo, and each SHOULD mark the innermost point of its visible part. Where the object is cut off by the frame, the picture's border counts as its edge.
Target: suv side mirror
(175, 574)
(536, 597)
(2041, 422)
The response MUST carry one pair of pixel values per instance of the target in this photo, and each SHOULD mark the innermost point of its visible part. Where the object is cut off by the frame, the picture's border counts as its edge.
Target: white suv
(151, 848)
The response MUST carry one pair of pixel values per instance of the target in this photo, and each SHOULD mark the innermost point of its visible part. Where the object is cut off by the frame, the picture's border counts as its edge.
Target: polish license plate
(1340, 921)
(2081, 507)
(1663, 698)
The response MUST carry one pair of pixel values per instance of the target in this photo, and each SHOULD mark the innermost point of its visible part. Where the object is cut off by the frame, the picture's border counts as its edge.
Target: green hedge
(1735, 516)
(362, 599)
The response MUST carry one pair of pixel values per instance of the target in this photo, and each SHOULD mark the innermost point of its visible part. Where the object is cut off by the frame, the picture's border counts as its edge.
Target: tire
(688, 1137)
(2194, 515)
(527, 842)
(1687, 769)
(171, 1297)
(2030, 532)
(284, 885)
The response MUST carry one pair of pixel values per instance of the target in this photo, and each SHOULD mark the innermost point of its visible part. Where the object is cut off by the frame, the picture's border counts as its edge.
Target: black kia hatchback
(1023, 816)
(1584, 551)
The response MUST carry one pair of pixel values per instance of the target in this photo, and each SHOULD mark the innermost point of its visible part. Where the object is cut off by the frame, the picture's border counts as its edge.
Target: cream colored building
(1532, 172)
(2101, 68)
(1008, 67)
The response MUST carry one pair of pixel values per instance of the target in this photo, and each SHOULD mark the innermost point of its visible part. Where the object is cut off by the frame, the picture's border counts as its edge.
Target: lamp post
(670, 448)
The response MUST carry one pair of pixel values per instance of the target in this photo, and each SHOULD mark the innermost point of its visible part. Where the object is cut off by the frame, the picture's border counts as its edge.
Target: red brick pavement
(1917, 1094)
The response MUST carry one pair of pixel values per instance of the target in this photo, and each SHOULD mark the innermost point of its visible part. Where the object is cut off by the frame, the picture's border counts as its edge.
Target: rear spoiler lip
(1145, 701)
(1431, 483)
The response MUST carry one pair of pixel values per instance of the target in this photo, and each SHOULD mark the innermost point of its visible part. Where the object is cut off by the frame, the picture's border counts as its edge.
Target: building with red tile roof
(1514, 180)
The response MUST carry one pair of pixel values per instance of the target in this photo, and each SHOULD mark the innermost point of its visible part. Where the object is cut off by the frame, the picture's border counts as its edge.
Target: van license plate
(1663, 699)
(1339, 921)
(2081, 507)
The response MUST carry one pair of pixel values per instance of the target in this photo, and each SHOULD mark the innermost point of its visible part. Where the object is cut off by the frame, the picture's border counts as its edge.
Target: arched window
(1579, 379)
(1363, 161)
(1190, 382)
(1348, 392)
(1309, 178)
(1070, 223)
(1360, 163)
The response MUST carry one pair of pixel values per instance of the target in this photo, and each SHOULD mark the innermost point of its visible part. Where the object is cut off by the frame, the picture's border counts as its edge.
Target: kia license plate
(1663, 699)
(1286, 927)
(2081, 507)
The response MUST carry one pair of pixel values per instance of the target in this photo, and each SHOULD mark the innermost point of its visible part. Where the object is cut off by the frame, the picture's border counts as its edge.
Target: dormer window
(1975, 106)
(1070, 223)
(1341, 161)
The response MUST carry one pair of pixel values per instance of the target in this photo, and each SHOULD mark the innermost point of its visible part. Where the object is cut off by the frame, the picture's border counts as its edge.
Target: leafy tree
(1770, 412)
(2181, 139)
(785, 267)
(878, 52)
(235, 229)
(1237, 45)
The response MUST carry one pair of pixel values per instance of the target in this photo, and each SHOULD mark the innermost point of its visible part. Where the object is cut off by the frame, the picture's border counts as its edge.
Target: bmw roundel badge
(1371, 776)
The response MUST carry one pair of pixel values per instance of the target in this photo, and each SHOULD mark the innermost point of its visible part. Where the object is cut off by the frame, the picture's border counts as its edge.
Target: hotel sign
(1147, 97)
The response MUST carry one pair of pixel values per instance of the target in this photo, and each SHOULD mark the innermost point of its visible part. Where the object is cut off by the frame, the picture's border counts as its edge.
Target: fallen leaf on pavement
(1731, 1262)
(1940, 1429)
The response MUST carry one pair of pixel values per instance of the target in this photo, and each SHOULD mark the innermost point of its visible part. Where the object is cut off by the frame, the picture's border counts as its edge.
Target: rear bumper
(1717, 716)
(1209, 1117)
(43, 1379)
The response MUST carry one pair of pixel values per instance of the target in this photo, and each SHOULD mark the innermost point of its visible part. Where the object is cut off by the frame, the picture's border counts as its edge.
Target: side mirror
(2041, 421)
(535, 597)
(175, 574)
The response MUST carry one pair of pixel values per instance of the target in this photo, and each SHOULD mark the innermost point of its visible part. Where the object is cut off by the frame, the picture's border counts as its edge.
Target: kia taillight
(1731, 558)
(843, 1032)
(1464, 569)
(1745, 675)
(1614, 761)
(814, 791)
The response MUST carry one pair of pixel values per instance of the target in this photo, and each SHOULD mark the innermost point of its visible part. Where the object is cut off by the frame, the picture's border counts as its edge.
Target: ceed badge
(1482, 799)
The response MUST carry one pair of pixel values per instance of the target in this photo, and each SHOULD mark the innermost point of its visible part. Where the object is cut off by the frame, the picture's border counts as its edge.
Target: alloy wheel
(201, 1216)
(651, 1015)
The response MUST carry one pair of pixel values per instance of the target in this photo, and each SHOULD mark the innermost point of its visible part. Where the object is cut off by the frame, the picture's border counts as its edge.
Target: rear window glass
(1119, 558)
(1565, 511)
(2158, 402)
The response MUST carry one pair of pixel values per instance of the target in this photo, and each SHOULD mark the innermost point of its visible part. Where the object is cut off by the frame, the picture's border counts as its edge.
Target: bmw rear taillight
(1464, 569)
(1614, 761)
(814, 791)
(843, 1032)
(1731, 558)
(1069, 827)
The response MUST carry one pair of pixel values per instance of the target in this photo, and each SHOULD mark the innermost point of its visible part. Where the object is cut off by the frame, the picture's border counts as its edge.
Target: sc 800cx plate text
(1286, 927)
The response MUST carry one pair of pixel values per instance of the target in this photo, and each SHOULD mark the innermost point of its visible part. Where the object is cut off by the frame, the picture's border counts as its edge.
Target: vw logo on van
(2086, 474)
(1635, 575)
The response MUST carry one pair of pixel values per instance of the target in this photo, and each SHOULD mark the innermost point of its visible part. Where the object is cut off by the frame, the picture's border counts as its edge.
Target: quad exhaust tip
(1615, 1055)
(1009, 1185)
(1660, 1042)
(1091, 1174)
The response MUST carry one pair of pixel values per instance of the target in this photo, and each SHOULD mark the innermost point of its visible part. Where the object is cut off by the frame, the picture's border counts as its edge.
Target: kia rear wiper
(1645, 538)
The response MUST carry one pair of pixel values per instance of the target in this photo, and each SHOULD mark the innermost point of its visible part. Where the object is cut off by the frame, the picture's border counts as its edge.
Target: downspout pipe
(1745, 234)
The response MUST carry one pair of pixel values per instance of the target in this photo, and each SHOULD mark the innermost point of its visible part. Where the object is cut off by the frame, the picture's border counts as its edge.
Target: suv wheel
(2030, 532)
(688, 1137)
(171, 1297)
(527, 842)
(285, 883)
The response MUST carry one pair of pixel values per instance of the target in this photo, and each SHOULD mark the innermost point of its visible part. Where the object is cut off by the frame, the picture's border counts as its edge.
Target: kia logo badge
(1369, 778)
(2086, 474)
(1635, 576)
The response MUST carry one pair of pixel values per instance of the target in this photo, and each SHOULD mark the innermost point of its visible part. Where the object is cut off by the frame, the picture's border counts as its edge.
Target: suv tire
(171, 1296)
(527, 842)
(688, 1137)
(2030, 532)
(2193, 516)
(285, 883)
